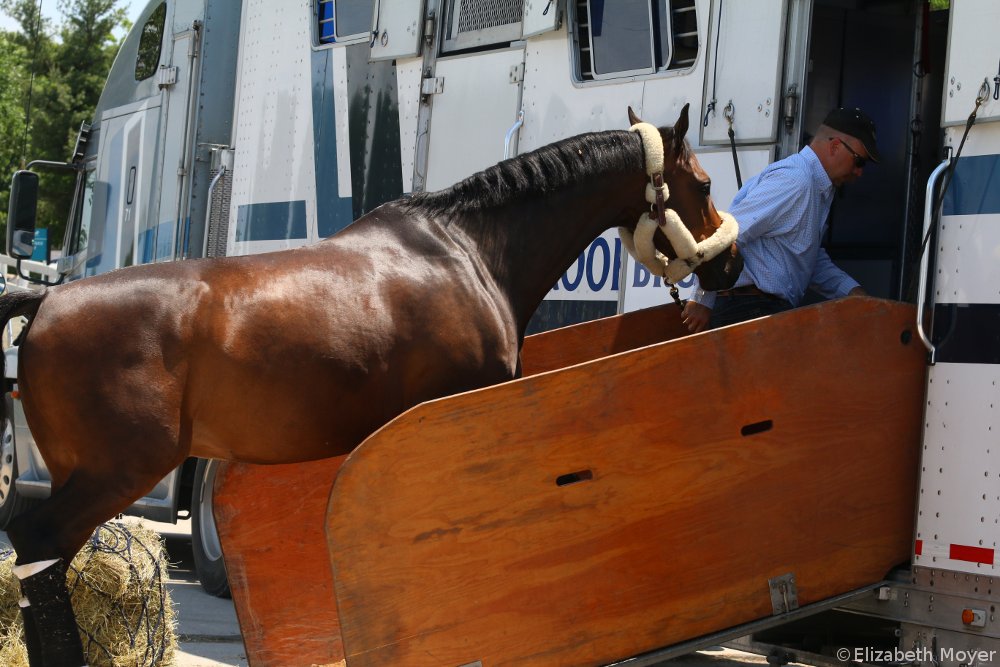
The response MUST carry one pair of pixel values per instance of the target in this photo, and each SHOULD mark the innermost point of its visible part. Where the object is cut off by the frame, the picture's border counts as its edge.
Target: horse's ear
(632, 118)
(681, 126)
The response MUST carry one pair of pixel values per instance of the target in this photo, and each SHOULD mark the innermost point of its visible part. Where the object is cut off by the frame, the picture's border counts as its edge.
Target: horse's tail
(14, 304)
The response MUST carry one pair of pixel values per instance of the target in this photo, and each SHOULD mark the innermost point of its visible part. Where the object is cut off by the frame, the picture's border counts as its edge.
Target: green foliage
(940, 4)
(69, 66)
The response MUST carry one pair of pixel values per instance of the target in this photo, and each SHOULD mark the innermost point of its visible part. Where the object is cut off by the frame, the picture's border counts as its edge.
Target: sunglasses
(859, 161)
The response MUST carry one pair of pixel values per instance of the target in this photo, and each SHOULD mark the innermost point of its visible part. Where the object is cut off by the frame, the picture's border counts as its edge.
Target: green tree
(17, 74)
(69, 72)
(13, 80)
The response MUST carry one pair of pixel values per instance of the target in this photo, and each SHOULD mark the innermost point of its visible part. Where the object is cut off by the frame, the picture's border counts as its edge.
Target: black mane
(539, 172)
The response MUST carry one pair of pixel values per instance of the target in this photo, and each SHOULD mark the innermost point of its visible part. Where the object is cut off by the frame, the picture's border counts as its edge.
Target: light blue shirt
(782, 215)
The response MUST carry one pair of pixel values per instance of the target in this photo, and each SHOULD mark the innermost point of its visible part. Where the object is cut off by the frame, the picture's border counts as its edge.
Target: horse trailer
(232, 128)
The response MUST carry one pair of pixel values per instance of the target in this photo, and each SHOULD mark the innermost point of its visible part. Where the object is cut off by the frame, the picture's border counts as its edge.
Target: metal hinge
(784, 595)
(166, 76)
(433, 85)
(516, 73)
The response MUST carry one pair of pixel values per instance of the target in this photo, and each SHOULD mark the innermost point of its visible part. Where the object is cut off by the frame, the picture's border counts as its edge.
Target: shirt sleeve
(828, 280)
(701, 296)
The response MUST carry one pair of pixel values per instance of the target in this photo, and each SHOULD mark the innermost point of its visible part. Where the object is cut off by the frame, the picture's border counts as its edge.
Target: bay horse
(300, 354)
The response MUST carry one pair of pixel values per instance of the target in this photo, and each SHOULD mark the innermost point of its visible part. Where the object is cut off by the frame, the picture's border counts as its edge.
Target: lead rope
(984, 93)
(639, 243)
(729, 113)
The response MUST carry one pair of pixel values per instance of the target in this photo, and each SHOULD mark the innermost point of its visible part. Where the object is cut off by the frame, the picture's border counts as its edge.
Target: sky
(50, 9)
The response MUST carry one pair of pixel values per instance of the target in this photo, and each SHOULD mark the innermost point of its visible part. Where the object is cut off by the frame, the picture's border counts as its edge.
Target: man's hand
(857, 291)
(695, 316)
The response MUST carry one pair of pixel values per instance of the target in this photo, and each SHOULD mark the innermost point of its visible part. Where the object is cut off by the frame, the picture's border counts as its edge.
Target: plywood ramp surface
(271, 521)
(587, 341)
(591, 514)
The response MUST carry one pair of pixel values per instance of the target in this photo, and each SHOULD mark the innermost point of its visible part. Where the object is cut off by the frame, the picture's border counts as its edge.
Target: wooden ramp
(272, 519)
(272, 524)
(593, 513)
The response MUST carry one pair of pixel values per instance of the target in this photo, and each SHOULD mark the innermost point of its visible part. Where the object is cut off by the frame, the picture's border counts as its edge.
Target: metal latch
(166, 76)
(784, 595)
(432, 85)
(516, 73)
(886, 594)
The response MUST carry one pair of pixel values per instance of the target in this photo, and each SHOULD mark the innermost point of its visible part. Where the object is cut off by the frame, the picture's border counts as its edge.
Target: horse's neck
(527, 246)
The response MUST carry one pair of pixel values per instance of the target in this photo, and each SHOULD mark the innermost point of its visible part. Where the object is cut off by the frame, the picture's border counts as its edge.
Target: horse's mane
(539, 172)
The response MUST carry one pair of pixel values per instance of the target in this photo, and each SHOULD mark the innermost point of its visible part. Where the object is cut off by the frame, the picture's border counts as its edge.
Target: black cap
(855, 123)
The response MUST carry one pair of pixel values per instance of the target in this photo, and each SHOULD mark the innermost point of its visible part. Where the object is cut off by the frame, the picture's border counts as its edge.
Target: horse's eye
(706, 188)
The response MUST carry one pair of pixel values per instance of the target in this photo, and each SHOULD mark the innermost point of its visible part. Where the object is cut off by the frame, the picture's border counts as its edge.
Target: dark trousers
(740, 308)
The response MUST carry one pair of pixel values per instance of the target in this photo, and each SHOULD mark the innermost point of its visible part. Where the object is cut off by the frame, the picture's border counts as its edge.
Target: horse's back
(227, 358)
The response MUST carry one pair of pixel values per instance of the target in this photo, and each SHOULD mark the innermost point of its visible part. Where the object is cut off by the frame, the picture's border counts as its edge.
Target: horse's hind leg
(46, 538)
(50, 629)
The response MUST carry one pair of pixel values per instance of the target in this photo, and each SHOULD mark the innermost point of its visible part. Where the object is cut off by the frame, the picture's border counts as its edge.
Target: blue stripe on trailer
(967, 333)
(333, 212)
(274, 221)
(975, 187)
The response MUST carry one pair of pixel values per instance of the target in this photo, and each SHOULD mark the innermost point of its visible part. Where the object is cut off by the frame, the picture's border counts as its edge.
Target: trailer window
(479, 23)
(343, 20)
(632, 37)
(150, 41)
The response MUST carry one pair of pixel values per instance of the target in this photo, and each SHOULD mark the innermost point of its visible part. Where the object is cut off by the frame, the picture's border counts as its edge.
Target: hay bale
(118, 585)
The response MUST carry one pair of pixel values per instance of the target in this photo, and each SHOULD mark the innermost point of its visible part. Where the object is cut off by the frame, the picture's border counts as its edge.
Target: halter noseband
(640, 245)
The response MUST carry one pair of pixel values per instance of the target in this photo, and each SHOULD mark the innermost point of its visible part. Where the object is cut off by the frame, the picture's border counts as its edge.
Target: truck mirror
(21, 214)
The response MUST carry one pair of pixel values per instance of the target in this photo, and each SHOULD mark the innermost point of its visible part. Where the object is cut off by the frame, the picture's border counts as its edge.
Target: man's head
(844, 143)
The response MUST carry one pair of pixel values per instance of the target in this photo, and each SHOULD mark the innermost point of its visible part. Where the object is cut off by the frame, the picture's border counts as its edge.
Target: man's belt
(746, 290)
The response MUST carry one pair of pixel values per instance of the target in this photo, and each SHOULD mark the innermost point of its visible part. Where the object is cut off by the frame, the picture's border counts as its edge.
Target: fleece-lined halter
(640, 243)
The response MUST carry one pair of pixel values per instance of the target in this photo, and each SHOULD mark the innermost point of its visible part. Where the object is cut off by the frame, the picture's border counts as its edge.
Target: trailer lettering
(641, 276)
(601, 244)
(597, 263)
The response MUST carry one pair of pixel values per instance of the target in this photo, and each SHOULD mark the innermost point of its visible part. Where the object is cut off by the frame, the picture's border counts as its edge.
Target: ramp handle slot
(574, 477)
(757, 427)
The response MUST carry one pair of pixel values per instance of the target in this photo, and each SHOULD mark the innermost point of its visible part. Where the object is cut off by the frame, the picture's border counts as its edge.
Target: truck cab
(143, 169)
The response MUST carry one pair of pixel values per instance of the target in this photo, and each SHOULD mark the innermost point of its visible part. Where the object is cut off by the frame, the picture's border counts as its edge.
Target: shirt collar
(817, 171)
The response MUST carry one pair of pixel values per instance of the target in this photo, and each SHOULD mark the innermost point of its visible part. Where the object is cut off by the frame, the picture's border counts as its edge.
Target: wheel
(205, 543)
(11, 502)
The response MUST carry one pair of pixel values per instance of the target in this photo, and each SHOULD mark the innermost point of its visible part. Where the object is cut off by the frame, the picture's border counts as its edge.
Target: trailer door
(121, 192)
(475, 104)
(957, 526)
(746, 47)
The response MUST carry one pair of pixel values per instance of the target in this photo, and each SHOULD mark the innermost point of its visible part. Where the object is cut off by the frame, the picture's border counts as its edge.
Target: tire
(208, 562)
(12, 503)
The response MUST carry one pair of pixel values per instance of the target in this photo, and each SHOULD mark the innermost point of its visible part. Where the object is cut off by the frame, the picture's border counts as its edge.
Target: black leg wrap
(32, 641)
(52, 616)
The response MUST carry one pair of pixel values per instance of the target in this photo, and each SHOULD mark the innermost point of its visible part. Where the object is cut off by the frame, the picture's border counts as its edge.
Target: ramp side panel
(579, 343)
(272, 524)
(452, 541)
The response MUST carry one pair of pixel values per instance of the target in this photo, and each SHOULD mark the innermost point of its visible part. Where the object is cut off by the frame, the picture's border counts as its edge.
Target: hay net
(118, 586)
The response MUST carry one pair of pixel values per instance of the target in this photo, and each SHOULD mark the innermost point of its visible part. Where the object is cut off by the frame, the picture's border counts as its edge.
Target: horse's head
(690, 196)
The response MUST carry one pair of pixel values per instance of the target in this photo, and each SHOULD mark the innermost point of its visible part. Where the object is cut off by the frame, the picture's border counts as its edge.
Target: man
(782, 214)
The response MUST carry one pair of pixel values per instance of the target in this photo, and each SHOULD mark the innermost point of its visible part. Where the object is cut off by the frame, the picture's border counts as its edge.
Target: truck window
(150, 41)
(343, 20)
(80, 232)
(633, 37)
